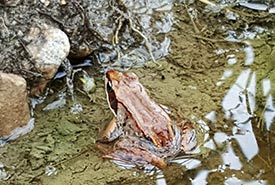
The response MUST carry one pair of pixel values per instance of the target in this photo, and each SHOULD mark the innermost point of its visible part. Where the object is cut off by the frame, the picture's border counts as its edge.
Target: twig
(81, 10)
(208, 2)
(115, 37)
(4, 25)
(196, 29)
(213, 40)
(147, 44)
(25, 48)
(53, 18)
(266, 163)
(132, 26)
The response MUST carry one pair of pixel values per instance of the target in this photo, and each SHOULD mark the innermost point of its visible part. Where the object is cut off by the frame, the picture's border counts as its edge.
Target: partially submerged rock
(14, 106)
(48, 47)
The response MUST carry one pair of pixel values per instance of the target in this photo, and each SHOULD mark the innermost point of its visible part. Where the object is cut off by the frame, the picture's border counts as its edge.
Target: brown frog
(144, 131)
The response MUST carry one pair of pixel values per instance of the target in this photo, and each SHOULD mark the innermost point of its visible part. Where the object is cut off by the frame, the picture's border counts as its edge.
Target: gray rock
(13, 103)
(48, 47)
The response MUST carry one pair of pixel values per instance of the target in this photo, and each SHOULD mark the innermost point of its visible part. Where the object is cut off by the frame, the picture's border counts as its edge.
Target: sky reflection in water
(239, 105)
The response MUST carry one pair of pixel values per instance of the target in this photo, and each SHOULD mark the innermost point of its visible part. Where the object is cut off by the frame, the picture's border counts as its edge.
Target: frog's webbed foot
(189, 137)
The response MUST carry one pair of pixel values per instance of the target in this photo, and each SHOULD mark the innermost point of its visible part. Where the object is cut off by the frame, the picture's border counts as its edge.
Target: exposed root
(196, 29)
(126, 16)
(208, 2)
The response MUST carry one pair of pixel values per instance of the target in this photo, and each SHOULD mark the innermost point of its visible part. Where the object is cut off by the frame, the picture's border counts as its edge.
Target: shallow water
(227, 88)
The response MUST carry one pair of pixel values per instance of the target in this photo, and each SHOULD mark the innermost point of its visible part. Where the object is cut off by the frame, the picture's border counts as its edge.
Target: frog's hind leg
(136, 157)
(138, 152)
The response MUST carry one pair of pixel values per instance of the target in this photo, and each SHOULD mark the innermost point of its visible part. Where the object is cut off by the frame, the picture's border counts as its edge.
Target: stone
(14, 106)
(11, 3)
(48, 47)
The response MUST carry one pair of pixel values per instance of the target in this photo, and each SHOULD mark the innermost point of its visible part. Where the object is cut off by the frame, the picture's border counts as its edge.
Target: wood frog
(143, 131)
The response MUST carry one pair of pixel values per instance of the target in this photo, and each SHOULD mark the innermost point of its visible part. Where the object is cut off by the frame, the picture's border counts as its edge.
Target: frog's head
(115, 85)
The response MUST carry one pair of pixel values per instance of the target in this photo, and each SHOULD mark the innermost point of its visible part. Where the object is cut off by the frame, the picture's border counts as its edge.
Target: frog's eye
(109, 87)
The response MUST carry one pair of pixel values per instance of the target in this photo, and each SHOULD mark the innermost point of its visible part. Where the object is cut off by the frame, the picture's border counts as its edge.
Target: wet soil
(186, 82)
(67, 141)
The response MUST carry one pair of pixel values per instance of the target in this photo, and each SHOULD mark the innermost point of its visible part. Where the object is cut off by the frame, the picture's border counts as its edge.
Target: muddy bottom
(192, 82)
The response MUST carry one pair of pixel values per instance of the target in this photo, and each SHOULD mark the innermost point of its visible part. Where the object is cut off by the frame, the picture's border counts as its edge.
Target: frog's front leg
(114, 128)
(111, 132)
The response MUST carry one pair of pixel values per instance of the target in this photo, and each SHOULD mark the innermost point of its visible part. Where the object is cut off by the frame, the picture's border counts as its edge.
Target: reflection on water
(160, 179)
(269, 112)
(230, 160)
(19, 131)
(235, 180)
(188, 163)
(240, 106)
(249, 55)
(200, 177)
